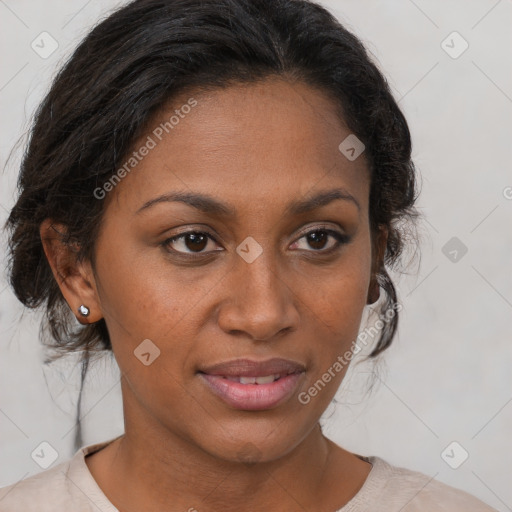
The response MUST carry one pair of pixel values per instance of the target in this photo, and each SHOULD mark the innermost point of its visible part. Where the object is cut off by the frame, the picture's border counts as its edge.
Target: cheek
(142, 294)
(148, 298)
(339, 302)
(336, 307)
(340, 295)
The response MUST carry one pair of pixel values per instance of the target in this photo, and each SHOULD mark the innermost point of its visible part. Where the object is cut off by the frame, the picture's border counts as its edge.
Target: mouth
(251, 385)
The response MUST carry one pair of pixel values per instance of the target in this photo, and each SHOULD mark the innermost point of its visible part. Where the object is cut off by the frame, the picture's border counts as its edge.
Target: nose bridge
(260, 277)
(260, 303)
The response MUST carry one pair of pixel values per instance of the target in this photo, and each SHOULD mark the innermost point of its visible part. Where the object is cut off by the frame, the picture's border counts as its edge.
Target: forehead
(251, 144)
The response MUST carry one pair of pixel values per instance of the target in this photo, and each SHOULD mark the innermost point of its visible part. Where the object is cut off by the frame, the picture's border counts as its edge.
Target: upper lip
(251, 368)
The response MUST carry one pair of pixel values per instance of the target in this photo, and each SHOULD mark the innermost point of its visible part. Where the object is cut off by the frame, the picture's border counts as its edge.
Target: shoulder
(417, 492)
(394, 488)
(62, 488)
(45, 491)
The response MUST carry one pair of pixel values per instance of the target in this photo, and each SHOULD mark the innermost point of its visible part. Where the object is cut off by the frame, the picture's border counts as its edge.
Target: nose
(258, 303)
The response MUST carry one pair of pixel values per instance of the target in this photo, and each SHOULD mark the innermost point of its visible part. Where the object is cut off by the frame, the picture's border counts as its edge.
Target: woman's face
(253, 285)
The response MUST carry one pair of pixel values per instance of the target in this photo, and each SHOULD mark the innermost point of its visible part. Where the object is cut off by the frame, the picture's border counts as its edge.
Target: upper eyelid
(302, 234)
(205, 231)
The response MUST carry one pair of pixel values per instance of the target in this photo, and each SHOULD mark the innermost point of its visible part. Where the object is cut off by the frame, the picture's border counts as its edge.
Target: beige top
(70, 487)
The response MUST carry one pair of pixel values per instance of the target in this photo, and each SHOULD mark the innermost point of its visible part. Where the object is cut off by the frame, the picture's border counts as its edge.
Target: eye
(318, 239)
(196, 242)
(191, 242)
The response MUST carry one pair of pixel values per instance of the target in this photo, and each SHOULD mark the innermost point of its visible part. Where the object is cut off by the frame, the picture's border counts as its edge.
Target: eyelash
(341, 239)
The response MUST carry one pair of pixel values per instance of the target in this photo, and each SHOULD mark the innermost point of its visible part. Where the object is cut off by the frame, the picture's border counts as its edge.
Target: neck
(151, 468)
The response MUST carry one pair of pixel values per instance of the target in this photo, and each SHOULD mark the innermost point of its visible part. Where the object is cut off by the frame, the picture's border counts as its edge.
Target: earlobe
(75, 278)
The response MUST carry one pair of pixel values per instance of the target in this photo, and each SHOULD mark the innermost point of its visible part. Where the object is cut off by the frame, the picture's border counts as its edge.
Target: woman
(213, 189)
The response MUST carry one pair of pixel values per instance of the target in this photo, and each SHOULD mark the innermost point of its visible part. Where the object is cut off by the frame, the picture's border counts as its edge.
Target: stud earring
(84, 310)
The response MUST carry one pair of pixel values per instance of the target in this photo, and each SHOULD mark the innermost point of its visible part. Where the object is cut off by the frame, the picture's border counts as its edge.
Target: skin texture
(257, 148)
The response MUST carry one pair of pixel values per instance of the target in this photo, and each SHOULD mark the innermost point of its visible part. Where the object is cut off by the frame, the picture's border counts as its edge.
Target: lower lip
(252, 397)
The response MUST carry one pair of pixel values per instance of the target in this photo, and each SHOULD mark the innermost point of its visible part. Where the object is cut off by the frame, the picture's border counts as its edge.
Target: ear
(75, 279)
(378, 252)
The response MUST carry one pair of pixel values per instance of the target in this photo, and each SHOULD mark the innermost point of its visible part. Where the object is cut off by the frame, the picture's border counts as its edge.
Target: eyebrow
(212, 206)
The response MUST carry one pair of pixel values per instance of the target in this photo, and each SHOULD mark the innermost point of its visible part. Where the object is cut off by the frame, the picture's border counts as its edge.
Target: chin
(266, 448)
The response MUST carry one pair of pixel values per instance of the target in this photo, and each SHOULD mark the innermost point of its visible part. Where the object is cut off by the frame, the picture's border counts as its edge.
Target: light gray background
(447, 376)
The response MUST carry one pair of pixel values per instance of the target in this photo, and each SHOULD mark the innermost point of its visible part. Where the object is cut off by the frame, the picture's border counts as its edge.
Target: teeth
(267, 379)
(247, 380)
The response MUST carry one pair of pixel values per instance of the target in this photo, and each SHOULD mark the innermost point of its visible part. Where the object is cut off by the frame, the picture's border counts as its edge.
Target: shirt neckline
(79, 473)
(372, 486)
